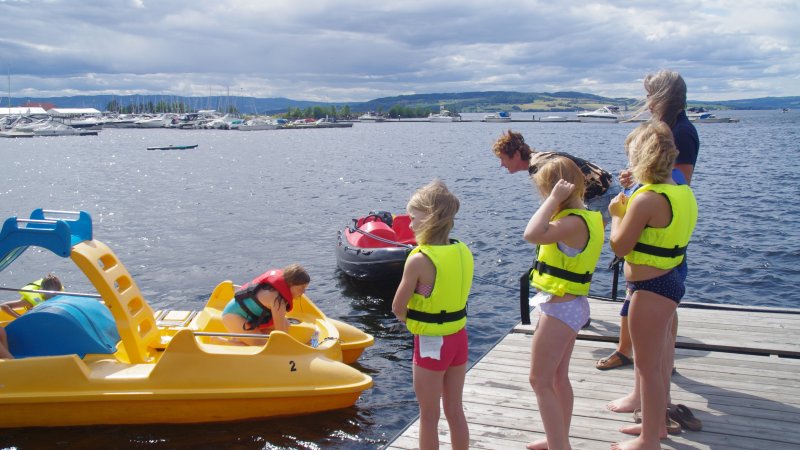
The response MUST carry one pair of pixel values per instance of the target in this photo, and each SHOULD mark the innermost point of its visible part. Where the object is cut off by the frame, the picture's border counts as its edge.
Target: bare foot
(635, 444)
(541, 444)
(625, 404)
(636, 430)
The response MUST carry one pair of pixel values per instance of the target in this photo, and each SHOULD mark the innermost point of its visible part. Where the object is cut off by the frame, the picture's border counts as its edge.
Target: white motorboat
(120, 121)
(444, 116)
(500, 116)
(707, 117)
(371, 117)
(607, 114)
(86, 122)
(159, 121)
(553, 119)
(259, 123)
(330, 122)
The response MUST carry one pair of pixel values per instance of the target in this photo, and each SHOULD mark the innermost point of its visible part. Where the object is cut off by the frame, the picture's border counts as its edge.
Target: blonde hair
(560, 168)
(651, 151)
(512, 142)
(666, 96)
(440, 205)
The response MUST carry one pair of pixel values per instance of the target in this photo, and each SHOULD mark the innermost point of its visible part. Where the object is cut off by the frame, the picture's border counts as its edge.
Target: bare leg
(671, 363)
(650, 322)
(666, 363)
(452, 393)
(4, 353)
(550, 354)
(669, 353)
(631, 401)
(428, 388)
(624, 346)
(235, 324)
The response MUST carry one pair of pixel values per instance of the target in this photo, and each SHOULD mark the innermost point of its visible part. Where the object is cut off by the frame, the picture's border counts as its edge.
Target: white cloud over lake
(354, 50)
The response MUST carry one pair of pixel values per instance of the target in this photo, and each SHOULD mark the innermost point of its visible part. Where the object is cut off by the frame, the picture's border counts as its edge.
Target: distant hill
(461, 102)
(763, 103)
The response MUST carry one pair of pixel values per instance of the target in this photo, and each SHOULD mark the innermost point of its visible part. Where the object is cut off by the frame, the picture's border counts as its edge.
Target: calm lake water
(242, 202)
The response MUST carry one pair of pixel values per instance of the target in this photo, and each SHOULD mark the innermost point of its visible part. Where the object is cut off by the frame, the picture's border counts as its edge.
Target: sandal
(683, 415)
(673, 427)
(613, 361)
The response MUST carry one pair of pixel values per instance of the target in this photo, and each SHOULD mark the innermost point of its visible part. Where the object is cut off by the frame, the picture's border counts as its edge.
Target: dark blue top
(686, 139)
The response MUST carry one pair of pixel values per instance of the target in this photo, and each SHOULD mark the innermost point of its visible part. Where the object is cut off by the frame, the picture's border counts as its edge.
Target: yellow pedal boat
(168, 373)
(308, 325)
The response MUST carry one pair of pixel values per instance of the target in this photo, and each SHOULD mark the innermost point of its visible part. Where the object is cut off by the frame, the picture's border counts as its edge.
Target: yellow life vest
(445, 311)
(664, 248)
(559, 274)
(34, 298)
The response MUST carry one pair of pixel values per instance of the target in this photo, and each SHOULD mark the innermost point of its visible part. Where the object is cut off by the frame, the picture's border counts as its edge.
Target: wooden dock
(738, 370)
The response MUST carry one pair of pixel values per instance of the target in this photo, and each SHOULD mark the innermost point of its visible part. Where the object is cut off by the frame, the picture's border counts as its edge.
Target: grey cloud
(351, 50)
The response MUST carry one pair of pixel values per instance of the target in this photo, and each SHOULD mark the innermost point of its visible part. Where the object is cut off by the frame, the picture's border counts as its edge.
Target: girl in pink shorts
(432, 301)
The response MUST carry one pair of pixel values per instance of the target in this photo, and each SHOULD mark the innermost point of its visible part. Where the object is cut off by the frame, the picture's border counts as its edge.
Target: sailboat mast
(9, 89)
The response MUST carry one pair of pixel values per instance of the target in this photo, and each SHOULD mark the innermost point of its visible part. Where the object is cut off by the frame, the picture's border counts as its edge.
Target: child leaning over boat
(260, 306)
(569, 239)
(432, 301)
(28, 298)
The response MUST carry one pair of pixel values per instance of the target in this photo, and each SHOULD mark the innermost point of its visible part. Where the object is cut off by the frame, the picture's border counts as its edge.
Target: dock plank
(736, 370)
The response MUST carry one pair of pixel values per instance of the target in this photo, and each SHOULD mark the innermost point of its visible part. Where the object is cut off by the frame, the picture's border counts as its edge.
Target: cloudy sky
(359, 50)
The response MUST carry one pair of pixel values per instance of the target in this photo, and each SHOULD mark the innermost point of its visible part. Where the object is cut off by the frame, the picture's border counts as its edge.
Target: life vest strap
(253, 320)
(438, 318)
(543, 267)
(660, 251)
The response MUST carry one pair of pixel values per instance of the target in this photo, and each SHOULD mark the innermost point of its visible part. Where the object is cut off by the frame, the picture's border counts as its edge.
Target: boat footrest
(175, 319)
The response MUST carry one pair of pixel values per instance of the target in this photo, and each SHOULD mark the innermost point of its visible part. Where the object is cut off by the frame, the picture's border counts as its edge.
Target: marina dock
(737, 370)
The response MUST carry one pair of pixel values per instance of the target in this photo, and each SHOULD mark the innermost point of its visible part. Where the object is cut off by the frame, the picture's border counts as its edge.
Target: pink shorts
(455, 352)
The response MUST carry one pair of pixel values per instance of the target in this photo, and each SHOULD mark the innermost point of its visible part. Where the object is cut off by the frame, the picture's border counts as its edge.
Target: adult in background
(666, 101)
(515, 155)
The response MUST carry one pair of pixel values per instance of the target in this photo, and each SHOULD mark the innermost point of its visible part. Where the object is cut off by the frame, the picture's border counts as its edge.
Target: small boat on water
(262, 123)
(606, 114)
(113, 360)
(444, 116)
(375, 246)
(707, 117)
(174, 147)
(500, 116)
(371, 116)
(553, 119)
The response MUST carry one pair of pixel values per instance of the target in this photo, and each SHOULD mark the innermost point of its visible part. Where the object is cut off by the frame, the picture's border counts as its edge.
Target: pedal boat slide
(166, 367)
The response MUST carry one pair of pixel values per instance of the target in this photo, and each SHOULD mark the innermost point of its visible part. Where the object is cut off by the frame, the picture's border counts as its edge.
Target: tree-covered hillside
(403, 105)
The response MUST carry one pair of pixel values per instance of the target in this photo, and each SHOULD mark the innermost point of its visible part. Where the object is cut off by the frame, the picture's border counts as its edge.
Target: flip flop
(683, 415)
(673, 427)
(613, 361)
